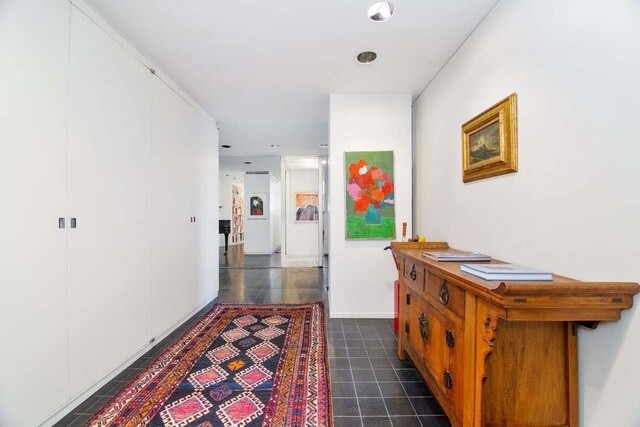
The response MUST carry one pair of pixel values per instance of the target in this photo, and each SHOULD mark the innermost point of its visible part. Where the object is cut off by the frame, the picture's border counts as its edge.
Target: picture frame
(490, 142)
(306, 207)
(257, 206)
(369, 195)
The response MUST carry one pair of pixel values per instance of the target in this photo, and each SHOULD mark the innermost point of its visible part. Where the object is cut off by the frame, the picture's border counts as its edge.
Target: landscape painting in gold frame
(490, 142)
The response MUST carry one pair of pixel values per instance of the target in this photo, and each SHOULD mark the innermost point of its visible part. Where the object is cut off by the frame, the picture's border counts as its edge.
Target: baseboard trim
(299, 262)
(78, 399)
(361, 315)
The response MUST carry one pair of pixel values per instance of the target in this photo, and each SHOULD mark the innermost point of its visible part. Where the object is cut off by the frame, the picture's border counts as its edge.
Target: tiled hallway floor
(370, 386)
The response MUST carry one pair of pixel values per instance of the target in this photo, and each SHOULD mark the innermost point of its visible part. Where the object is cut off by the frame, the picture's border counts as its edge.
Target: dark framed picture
(258, 206)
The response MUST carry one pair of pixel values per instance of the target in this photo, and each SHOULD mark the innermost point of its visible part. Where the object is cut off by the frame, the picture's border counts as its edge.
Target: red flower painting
(371, 189)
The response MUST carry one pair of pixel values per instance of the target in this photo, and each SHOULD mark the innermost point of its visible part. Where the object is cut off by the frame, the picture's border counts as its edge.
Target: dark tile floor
(370, 386)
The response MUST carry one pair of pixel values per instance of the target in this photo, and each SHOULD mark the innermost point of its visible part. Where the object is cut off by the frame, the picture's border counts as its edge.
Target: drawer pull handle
(425, 332)
(444, 293)
(413, 273)
(451, 339)
(448, 379)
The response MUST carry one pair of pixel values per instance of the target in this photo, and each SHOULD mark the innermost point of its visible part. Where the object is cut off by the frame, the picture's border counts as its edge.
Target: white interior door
(174, 202)
(34, 41)
(109, 192)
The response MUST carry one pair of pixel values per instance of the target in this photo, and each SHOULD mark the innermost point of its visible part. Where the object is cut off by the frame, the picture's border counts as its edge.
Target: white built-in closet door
(175, 189)
(34, 41)
(109, 194)
(208, 211)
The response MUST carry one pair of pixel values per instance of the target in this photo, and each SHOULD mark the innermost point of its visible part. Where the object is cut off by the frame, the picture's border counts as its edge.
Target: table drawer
(446, 294)
(414, 274)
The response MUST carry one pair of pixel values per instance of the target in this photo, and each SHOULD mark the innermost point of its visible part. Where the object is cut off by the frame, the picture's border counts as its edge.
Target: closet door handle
(61, 223)
(73, 223)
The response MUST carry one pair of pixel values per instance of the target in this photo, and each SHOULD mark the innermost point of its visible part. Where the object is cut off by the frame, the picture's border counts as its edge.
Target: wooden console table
(498, 354)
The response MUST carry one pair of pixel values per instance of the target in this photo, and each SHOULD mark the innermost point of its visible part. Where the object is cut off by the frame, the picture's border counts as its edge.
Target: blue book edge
(497, 277)
(502, 273)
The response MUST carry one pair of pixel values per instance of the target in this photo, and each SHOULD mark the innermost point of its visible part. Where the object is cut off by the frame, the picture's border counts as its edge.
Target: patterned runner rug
(241, 365)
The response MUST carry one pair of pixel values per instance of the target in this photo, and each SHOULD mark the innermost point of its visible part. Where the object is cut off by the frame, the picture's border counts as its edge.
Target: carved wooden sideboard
(498, 354)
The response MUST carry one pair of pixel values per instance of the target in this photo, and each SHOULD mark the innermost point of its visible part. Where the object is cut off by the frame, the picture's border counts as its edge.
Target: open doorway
(249, 211)
(303, 220)
(256, 268)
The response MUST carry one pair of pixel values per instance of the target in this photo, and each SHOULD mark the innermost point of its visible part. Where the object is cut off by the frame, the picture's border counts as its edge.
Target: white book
(507, 272)
(456, 255)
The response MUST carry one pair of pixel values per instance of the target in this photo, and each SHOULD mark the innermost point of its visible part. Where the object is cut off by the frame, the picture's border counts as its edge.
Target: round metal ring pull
(444, 293)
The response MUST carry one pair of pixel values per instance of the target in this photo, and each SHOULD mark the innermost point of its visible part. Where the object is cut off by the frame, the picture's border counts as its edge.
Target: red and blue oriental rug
(241, 365)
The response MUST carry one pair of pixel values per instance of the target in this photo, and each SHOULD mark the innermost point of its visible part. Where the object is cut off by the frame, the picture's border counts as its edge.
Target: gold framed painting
(490, 142)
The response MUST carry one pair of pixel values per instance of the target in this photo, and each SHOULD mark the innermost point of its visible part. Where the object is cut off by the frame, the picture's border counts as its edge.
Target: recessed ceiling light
(366, 57)
(324, 145)
(247, 163)
(226, 146)
(382, 11)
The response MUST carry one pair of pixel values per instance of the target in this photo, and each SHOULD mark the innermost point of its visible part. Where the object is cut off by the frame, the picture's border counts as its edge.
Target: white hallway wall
(573, 207)
(259, 232)
(361, 273)
(57, 160)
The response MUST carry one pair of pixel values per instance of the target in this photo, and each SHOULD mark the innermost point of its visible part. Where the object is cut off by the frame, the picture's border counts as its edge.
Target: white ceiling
(264, 70)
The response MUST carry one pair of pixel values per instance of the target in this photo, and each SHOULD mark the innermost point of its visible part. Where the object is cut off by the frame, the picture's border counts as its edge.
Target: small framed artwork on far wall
(258, 206)
(307, 207)
(490, 142)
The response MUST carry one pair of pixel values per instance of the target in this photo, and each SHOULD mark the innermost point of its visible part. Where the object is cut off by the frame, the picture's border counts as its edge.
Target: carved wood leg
(487, 316)
(572, 372)
(469, 359)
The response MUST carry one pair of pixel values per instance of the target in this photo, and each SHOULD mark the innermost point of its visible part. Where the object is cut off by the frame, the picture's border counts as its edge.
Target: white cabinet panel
(34, 40)
(109, 194)
(175, 190)
(208, 211)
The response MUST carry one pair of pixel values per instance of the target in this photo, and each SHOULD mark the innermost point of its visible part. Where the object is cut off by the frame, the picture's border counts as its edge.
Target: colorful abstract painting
(307, 207)
(369, 195)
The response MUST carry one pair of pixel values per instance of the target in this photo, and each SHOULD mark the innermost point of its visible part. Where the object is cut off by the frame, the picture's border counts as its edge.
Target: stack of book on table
(455, 255)
(507, 273)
